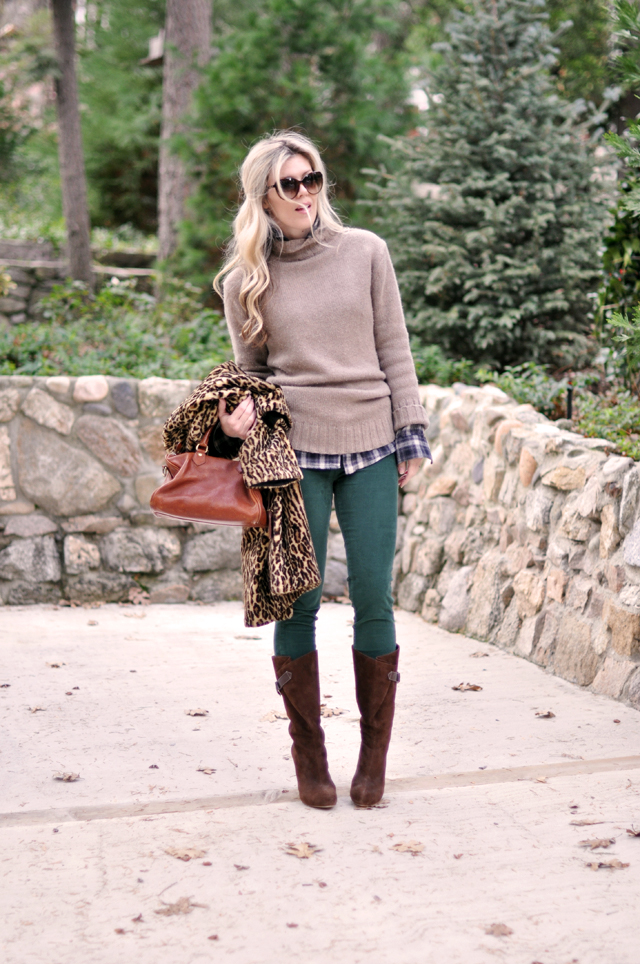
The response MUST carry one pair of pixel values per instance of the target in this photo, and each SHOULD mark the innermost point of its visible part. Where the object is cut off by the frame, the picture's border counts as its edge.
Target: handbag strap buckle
(282, 681)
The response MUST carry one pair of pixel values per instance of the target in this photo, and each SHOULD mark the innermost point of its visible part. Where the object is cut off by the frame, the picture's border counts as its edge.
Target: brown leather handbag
(202, 488)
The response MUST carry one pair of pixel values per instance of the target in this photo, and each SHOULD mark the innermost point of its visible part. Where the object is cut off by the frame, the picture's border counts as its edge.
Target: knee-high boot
(299, 685)
(376, 681)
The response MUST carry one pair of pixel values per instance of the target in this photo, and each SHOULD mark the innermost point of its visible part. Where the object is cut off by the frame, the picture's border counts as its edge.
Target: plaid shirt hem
(410, 443)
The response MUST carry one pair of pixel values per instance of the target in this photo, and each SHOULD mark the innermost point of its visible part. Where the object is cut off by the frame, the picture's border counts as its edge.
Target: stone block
(629, 501)
(59, 478)
(98, 524)
(9, 403)
(427, 560)
(609, 533)
(612, 676)
(556, 583)
(217, 586)
(145, 486)
(538, 507)
(140, 550)
(509, 489)
(529, 635)
(17, 507)
(99, 586)
(517, 558)
(575, 526)
(455, 604)
(159, 396)
(461, 494)
(217, 549)
(616, 466)
(80, 555)
(590, 500)
(631, 548)
(486, 606)
(44, 410)
(169, 593)
(90, 388)
(509, 627)
(97, 408)
(409, 503)
(7, 488)
(527, 467)
(454, 545)
(442, 516)
(529, 589)
(111, 442)
(26, 526)
(58, 384)
(558, 552)
(335, 578)
(33, 560)
(502, 430)
(546, 638)
(409, 547)
(565, 478)
(411, 591)
(625, 629)
(615, 576)
(632, 692)
(151, 439)
(579, 593)
(18, 593)
(431, 606)
(123, 396)
(443, 485)
(574, 658)
(630, 596)
(577, 555)
(494, 472)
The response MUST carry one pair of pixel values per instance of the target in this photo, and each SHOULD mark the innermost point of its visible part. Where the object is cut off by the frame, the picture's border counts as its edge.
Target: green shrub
(119, 331)
(615, 417)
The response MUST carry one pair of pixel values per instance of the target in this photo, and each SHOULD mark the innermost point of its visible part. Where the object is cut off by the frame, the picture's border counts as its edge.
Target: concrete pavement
(474, 856)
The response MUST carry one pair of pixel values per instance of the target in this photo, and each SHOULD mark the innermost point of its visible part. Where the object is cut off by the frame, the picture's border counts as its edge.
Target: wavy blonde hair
(254, 230)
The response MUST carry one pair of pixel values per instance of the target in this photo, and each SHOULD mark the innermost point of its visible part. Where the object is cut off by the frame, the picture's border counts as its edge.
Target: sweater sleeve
(392, 343)
(252, 359)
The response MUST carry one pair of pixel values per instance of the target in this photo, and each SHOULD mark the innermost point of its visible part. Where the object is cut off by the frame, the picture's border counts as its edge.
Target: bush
(119, 331)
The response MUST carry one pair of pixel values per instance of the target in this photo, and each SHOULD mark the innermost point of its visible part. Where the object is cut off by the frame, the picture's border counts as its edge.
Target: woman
(314, 307)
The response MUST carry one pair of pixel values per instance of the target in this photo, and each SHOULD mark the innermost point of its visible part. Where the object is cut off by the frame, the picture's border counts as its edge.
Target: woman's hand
(407, 470)
(239, 423)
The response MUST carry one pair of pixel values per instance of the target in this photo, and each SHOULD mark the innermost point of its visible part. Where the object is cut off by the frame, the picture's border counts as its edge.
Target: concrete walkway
(474, 856)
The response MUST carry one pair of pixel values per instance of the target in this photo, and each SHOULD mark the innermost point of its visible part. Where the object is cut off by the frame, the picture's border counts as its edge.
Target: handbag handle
(202, 447)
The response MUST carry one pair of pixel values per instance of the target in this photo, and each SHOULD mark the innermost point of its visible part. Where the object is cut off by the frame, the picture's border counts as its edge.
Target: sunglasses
(289, 187)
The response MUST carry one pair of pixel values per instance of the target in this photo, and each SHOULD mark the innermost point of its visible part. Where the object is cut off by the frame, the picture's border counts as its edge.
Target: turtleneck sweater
(337, 344)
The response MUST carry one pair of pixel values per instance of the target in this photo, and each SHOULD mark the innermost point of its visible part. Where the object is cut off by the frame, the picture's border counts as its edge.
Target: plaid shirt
(410, 443)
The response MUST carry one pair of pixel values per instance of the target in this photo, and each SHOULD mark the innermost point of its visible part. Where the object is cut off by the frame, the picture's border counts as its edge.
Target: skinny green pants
(367, 508)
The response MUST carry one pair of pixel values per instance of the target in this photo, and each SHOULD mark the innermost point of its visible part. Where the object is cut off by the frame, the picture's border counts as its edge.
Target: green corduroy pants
(366, 504)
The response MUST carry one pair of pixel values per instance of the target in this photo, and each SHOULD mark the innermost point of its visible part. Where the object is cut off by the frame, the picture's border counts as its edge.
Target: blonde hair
(254, 230)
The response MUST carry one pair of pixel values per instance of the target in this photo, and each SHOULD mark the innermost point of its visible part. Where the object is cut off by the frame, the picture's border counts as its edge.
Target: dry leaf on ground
(498, 930)
(93, 622)
(139, 597)
(36, 709)
(463, 687)
(66, 777)
(413, 847)
(207, 770)
(328, 711)
(272, 716)
(612, 864)
(241, 867)
(55, 665)
(541, 779)
(183, 905)
(302, 850)
(185, 853)
(596, 843)
(4, 686)
(137, 920)
(197, 712)
(633, 832)
(247, 637)
(135, 615)
(549, 715)
(584, 823)
(478, 655)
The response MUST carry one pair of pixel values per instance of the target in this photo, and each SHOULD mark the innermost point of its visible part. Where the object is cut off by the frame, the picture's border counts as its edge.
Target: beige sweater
(337, 343)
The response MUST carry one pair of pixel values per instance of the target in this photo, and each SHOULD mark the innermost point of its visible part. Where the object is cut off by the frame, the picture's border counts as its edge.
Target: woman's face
(294, 218)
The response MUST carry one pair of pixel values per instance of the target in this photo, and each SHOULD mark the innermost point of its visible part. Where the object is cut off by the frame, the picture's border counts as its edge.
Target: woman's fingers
(238, 423)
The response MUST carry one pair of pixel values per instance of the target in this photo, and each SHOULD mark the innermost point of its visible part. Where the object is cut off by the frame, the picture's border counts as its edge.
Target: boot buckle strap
(394, 677)
(282, 681)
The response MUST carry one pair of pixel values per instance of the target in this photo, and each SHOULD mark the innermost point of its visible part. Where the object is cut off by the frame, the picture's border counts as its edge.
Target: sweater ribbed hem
(327, 438)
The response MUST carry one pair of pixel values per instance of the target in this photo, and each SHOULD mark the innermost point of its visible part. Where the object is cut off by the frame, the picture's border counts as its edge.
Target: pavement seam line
(472, 778)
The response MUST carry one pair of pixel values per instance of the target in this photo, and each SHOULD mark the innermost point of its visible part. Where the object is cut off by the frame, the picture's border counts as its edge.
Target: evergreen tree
(492, 212)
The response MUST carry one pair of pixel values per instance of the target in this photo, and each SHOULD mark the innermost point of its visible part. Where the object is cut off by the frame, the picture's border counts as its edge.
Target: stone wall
(79, 459)
(526, 535)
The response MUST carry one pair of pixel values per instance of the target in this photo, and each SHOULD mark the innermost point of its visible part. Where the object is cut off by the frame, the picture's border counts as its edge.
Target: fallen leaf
(327, 696)
(498, 930)
(94, 622)
(375, 849)
(457, 856)
(413, 847)
(66, 777)
(612, 864)
(463, 687)
(137, 920)
(213, 937)
(584, 823)
(633, 832)
(135, 615)
(120, 930)
(478, 655)
(321, 883)
(197, 712)
(597, 843)
(183, 905)
(4, 686)
(328, 711)
(549, 715)
(139, 597)
(68, 693)
(185, 853)
(292, 925)
(272, 716)
(37, 709)
(247, 637)
(241, 867)
(541, 779)
(154, 766)
(55, 665)
(616, 721)
(207, 863)
(302, 850)
(207, 770)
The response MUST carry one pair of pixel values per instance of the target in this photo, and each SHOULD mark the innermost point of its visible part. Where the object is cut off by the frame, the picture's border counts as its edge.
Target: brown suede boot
(299, 685)
(376, 681)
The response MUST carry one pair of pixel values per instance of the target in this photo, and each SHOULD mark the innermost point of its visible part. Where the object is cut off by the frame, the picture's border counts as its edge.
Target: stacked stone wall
(526, 535)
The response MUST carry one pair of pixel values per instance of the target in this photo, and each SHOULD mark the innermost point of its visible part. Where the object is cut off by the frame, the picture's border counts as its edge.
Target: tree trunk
(187, 46)
(74, 191)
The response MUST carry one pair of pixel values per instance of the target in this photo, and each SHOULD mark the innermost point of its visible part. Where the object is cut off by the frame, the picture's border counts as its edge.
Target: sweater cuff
(410, 414)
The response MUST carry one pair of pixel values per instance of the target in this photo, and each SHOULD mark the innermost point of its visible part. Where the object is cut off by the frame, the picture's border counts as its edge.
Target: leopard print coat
(278, 564)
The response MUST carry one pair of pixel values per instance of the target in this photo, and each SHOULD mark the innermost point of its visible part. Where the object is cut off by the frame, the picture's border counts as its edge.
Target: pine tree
(492, 212)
